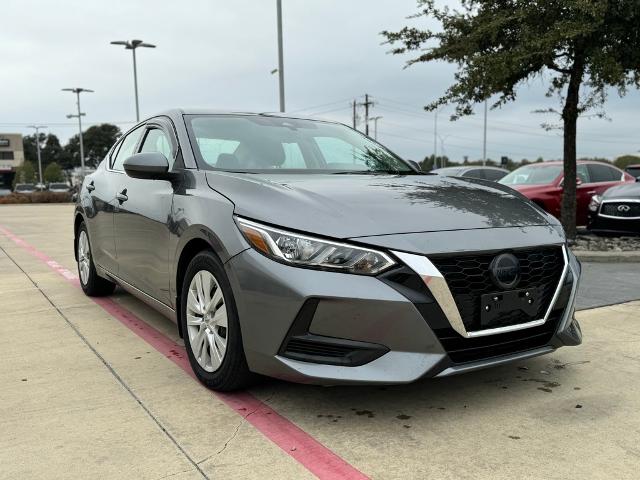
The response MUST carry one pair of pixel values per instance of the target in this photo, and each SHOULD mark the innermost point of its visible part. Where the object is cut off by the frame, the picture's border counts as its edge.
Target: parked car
(633, 170)
(304, 250)
(24, 188)
(486, 173)
(542, 184)
(616, 211)
(58, 187)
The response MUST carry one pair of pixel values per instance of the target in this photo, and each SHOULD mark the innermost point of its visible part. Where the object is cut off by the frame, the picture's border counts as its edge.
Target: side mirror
(578, 181)
(148, 166)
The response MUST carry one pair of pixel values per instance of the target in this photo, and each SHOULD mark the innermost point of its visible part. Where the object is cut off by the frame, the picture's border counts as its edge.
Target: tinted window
(583, 174)
(635, 171)
(158, 141)
(603, 173)
(533, 175)
(261, 143)
(475, 173)
(126, 149)
(494, 175)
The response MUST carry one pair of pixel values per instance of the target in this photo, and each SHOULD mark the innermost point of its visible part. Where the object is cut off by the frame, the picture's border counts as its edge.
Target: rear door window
(603, 173)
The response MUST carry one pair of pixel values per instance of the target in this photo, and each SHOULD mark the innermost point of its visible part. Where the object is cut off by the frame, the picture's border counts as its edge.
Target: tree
(97, 141)
(625, 160)
(583, 48)
(25, 174)
(50, 149)
(53, 173)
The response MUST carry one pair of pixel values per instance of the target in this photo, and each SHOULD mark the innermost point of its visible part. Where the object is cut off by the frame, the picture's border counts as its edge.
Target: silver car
(303, 250)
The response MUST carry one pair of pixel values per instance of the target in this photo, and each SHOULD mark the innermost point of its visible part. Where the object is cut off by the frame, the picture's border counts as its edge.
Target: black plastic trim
(301, 345)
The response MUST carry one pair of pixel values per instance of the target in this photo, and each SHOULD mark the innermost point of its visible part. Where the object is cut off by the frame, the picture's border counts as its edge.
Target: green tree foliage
(625, 160)
(25, 174)
(50, 148)
(583, 48)
(428, 163)
(53, 173)
(97, 141)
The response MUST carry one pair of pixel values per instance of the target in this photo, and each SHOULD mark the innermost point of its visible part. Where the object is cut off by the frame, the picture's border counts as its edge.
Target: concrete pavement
(83, 396)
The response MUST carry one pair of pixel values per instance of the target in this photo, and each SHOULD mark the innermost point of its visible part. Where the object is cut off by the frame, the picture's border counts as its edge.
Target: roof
(178, 112)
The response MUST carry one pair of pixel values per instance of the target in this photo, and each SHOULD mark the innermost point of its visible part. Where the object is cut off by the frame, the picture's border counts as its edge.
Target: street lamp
(37, 128)
(79, 116)
(132, 45)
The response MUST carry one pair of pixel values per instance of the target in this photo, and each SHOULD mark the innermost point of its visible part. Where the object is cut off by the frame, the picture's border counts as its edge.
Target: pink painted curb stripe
(294, 441)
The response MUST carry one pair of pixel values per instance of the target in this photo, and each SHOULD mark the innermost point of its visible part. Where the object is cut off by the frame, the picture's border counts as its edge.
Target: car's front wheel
(210, 325)
(92, 284)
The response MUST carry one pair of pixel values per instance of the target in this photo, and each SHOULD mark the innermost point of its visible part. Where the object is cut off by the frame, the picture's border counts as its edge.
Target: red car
(542, 184)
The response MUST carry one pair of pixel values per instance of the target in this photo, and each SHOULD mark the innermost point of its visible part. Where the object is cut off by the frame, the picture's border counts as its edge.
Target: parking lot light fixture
(133, 45)
(79, 115)
(37, 128)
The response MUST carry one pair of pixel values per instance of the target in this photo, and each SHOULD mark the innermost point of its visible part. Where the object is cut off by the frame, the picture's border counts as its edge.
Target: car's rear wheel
(210, 325)
(92, 284)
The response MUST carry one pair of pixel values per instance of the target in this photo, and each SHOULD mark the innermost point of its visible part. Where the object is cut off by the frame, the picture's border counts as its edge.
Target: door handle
(91, 187)
(122, 196)
(591, 192)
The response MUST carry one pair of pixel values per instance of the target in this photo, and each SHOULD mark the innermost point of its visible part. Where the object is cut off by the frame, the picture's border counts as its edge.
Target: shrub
(36, 197)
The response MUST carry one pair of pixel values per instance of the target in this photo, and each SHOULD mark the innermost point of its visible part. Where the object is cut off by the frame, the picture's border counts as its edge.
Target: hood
(626, 190)
(354, 205)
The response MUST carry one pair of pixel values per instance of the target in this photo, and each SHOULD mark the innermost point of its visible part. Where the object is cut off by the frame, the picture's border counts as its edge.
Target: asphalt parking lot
(100, 390)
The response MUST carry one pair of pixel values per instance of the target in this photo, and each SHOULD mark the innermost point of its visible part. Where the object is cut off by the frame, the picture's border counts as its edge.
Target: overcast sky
(219, 54)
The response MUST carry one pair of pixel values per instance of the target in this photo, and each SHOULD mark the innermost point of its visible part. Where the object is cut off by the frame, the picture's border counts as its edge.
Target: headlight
(304, 251)
(595, 202)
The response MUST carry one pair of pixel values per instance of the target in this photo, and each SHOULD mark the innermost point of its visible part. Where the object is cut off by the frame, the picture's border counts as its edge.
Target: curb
(608, 257)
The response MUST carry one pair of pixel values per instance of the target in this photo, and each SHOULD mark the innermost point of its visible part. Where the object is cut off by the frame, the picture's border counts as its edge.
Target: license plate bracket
(494, 305)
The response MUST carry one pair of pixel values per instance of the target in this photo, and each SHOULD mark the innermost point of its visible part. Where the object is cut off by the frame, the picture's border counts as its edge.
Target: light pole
(79, 115)
(375, 126)
(280, 56)
(132, 45)
(37, 128)
(484, 141)
(435, 137)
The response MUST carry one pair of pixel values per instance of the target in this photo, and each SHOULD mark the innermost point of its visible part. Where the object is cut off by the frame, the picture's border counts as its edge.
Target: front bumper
(398, 327)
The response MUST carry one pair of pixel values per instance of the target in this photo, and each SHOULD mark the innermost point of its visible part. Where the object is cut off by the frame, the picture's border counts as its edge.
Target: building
(11, 157)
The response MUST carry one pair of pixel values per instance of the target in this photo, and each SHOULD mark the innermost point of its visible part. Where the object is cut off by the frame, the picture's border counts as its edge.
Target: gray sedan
(303, 250)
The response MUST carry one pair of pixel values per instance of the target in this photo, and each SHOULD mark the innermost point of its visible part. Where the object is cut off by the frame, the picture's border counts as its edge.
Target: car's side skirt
(164, 309)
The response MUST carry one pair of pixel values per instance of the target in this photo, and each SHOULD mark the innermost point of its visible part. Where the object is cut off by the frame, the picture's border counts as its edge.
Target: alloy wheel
(207, 326)
(84, 257)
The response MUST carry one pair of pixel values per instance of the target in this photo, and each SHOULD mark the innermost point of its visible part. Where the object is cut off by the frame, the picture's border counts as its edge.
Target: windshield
(259, 143)
(25, 187)
(532, 175)
(58, 185)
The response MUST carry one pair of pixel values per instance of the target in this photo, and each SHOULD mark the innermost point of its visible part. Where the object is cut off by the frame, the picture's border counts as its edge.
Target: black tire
(233, 373)
(95, 285)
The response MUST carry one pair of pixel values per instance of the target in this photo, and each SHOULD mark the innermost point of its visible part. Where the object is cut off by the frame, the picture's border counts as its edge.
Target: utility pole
(354, 114)
(484, 142)
(375, 126)
(37, 128)
(280, 56)
(78, 91)
(366, 104)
